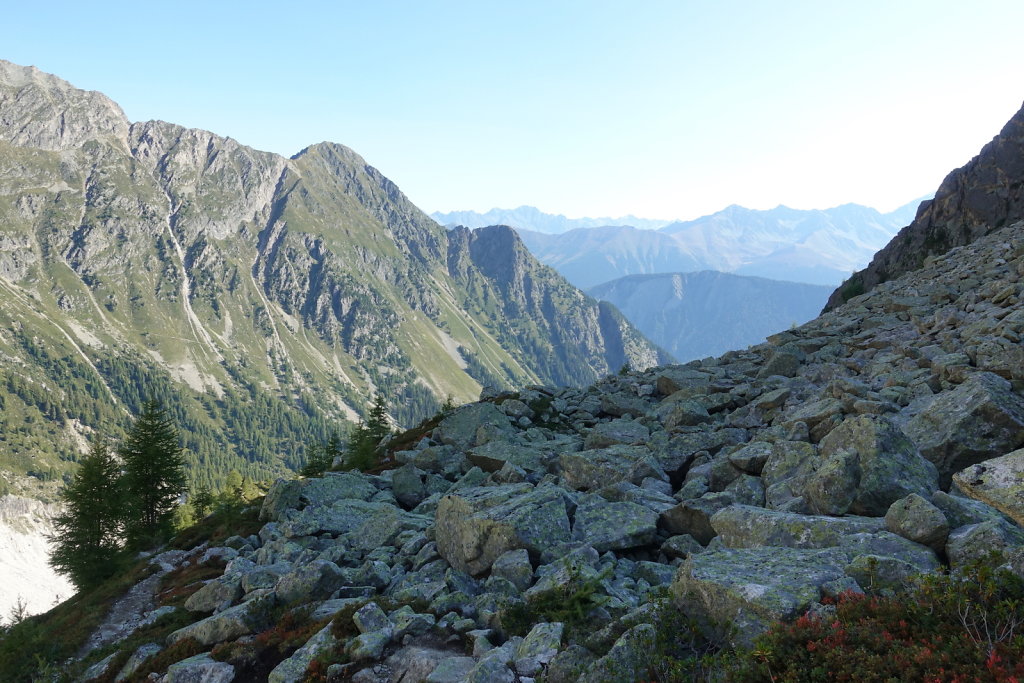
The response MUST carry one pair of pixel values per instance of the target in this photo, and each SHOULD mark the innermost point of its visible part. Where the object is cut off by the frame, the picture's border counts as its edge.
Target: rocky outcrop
(982, 196)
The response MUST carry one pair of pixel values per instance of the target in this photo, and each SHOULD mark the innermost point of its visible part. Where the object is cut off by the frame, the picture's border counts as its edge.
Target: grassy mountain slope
(263, 299)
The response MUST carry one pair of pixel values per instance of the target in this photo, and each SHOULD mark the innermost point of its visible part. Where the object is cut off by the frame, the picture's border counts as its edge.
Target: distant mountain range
(532, 218)
(813, 246)
(695, 315)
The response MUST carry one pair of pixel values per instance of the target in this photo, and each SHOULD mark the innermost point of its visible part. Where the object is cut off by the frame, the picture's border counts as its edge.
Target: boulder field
(879, 441)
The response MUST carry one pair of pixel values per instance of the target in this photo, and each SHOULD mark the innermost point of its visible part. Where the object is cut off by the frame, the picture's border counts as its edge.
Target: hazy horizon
(669, 109)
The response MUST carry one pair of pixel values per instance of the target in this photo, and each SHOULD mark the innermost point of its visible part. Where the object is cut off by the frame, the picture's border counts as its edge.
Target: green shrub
(961, 627)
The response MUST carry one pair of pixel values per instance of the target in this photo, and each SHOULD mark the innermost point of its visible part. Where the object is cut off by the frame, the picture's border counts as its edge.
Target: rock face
(258, 290)
(974, 200)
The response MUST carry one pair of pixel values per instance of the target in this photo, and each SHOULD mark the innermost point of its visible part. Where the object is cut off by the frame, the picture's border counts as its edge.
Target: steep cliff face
(263, 298)
(974, 200)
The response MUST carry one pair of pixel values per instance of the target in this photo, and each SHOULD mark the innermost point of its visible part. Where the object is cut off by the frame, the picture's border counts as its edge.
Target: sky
(661, 109)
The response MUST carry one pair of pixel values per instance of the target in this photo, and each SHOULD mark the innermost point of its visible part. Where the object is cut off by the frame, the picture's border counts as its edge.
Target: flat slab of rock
(744, 526)
(752, 587)
(998, 482)
(613, 526)
(969, 424)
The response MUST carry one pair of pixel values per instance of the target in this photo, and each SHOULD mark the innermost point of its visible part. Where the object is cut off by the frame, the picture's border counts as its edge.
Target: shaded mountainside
(984, 195)
(695, 315)
(558, 531)
(262, 299)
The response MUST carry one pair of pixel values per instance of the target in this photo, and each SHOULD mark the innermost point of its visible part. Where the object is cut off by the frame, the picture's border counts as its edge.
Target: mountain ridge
(811, 246)
(153, 250)
(983, 195)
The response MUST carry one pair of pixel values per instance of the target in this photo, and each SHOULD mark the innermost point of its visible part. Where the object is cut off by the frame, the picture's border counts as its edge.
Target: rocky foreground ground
(877, 442)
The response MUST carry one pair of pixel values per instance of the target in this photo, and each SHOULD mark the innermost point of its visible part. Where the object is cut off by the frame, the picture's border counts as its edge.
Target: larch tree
(87, 534)
(154, 477)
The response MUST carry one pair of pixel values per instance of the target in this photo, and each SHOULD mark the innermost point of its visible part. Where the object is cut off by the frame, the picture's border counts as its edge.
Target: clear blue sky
(663, 109)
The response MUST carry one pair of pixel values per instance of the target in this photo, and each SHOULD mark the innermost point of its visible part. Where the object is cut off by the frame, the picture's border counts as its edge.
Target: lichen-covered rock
(451, 670)
(293, 669)
(313, 581)
(877, 573)
(998, 482)
(460, 428)
(628, 658)
(216, 595)
(200, 669)
(407, 486)
(474, 526)
(616, 432)
(742, 526)
(680, 546)
(538, 648)
(978, 541)
(592, 469)
(493, 455)
(961, 511)
(613, 526)
(368, 646)
(918, 520)
(889, 465)
(693, 517)
(141, 654)
(747, 589)
(515, 567)
(227, 625)
(978, 419)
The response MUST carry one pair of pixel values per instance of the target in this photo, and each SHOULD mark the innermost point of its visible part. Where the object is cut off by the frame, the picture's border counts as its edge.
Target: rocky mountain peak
(42, 111)
(982, 196)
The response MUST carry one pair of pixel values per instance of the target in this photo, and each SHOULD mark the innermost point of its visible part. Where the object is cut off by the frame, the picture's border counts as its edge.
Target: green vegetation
(963, 626)
(154, 477)
(854, 286)
(87, 535)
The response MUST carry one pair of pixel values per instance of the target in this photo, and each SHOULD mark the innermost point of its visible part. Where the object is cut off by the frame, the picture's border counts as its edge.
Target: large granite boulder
(887, 462)
(998, 482)
(918, 520)
(605, 525)
(978, 419)
(739, 592)
(592, 469)
(476, 525)
(471, 425)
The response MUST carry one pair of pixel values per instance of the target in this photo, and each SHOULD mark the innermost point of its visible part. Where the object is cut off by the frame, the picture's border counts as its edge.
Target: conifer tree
(320, 456)
(86, 538)
(154, 477)
(202, 501)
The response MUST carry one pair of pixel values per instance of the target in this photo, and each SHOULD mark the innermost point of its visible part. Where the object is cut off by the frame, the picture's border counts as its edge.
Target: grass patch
(254, 657)
(232, 519)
